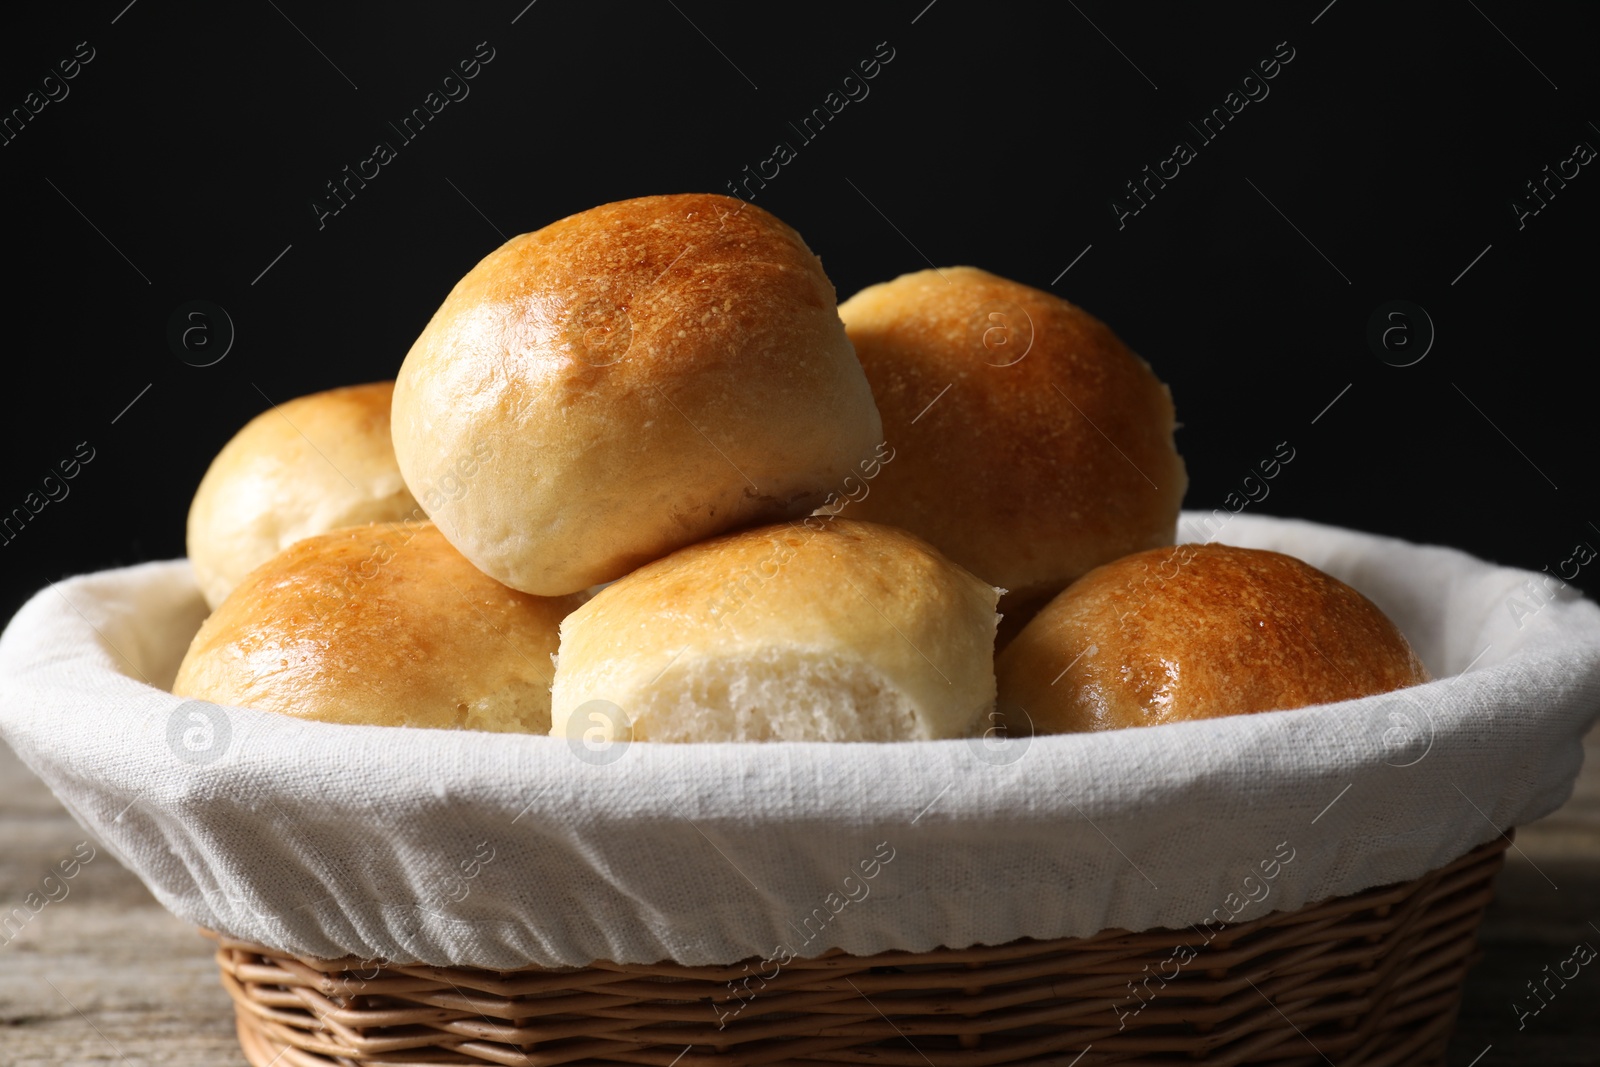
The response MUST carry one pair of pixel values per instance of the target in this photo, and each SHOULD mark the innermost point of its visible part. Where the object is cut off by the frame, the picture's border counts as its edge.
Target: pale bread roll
(383, 625)
(626, 381)
(1030, 444)
(304, 467)
(1198, 631)
(822, 630)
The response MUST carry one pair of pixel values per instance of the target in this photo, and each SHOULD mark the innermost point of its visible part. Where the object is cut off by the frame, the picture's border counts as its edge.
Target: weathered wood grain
(105, 975)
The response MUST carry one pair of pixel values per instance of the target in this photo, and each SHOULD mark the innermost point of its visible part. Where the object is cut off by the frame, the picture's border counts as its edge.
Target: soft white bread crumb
(827, 630)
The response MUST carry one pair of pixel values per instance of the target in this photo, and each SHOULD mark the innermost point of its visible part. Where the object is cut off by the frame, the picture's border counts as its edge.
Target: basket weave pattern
(1367, 980)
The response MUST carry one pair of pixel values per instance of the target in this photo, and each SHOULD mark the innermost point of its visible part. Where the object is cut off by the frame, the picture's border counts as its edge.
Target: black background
(189, 150)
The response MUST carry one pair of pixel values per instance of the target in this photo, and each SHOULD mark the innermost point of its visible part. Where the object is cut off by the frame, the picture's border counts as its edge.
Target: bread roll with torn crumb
(383, 625)
(1196, 632)
(304, 467)
(822, 630)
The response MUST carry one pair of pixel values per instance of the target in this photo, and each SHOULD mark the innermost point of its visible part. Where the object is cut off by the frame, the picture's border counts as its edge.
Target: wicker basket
(1362, 981)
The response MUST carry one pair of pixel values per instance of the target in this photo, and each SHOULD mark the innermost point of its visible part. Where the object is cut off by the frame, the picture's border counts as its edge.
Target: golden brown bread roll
(1029, 443)
(313, 464)
(626, 381)
(822, 630)
(1199, 631)
(384, 625)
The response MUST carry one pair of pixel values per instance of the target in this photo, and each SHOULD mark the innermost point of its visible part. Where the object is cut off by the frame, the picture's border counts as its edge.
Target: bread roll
(1029, 443)
(822, 630)
(1199, 631)
(626, 381)
(307, 466)
(382, 625)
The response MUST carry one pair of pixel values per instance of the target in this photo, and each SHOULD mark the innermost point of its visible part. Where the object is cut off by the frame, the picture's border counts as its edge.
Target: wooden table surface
(108, 976)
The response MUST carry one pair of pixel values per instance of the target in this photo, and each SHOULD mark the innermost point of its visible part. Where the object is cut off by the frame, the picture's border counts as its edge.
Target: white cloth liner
(456, 848)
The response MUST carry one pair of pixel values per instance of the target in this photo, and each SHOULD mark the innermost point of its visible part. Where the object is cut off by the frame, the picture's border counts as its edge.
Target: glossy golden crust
(827, 629)
(1050, 452)
(626, 381)
(1196, 632)
(384, 625)
(309, 465)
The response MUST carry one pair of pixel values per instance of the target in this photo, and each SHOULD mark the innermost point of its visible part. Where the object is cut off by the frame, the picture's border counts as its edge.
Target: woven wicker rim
(1372, 979)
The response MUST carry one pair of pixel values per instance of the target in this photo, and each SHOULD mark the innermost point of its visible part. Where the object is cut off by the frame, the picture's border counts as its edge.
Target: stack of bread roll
(641, 457)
